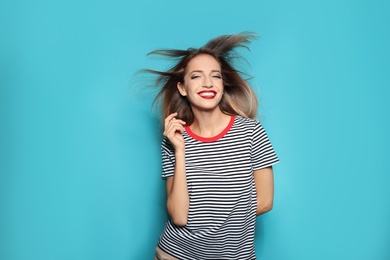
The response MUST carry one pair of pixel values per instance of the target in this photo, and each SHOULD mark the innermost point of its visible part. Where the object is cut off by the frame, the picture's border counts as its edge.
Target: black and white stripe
(222, 213)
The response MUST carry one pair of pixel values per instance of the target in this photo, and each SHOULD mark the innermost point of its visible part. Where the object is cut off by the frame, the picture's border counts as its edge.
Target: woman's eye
(195, 76)
(217, 76)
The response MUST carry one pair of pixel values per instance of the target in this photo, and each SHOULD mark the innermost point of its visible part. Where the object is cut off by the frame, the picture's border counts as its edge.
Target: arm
(177, 192)
(264, 181)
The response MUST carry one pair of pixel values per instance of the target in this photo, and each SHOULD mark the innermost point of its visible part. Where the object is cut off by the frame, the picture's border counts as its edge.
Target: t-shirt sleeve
(167, 159)
(262, 153)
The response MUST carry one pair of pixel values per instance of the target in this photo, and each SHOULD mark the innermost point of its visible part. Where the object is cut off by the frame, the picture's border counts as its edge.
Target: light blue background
(80, 161)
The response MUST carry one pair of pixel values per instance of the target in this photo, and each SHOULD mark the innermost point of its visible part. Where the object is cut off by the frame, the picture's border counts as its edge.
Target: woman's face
(203, 85)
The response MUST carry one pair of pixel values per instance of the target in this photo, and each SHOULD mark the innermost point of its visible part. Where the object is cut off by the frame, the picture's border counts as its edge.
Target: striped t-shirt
(220, 181)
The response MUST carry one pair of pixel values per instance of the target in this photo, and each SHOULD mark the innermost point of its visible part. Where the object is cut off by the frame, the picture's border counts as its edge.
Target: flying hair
(238, 98)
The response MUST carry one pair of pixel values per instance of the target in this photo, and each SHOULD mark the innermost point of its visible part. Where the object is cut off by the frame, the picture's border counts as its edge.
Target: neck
(209, 124)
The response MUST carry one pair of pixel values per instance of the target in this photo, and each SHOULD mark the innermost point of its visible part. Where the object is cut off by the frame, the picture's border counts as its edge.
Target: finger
(176, 121)
(170, 117)
(172, 128)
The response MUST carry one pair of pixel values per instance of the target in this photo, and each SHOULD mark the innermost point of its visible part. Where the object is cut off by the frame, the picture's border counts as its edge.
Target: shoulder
(250, 126)
(247, 122)
(166, 146)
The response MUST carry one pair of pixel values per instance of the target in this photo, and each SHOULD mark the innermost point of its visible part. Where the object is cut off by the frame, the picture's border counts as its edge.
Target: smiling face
(203, 85)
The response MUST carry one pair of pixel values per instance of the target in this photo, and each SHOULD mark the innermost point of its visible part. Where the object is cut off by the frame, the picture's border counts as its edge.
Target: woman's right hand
(173, 128)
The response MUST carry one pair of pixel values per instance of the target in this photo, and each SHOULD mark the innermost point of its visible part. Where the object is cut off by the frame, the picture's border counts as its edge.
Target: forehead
(203, 62)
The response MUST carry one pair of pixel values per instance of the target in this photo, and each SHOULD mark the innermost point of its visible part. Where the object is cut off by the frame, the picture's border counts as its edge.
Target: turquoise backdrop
(80, 157)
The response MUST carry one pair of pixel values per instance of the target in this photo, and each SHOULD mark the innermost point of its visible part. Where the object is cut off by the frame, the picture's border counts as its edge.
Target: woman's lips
(207, 94)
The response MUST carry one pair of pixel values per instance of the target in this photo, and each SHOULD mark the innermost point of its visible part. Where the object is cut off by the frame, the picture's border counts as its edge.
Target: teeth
(207, 94)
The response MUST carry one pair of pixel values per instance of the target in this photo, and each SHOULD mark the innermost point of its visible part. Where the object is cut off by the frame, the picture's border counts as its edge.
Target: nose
(207, 82)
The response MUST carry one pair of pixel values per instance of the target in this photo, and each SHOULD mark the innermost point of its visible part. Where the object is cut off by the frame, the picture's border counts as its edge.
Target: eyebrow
(202, 71)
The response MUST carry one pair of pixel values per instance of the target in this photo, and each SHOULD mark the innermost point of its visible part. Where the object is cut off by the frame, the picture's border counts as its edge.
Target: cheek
(192, 86)
(222, 87)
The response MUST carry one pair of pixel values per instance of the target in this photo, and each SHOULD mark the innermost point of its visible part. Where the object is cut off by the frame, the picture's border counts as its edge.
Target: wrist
(179, 152)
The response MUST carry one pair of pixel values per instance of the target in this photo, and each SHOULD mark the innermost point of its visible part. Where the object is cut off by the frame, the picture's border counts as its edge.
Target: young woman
(216, 158)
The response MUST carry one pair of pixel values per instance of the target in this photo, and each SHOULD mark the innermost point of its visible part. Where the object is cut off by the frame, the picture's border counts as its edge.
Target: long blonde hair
(238, 98)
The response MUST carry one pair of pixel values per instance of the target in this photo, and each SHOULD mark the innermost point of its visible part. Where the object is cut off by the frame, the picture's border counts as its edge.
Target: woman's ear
(181, 89)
